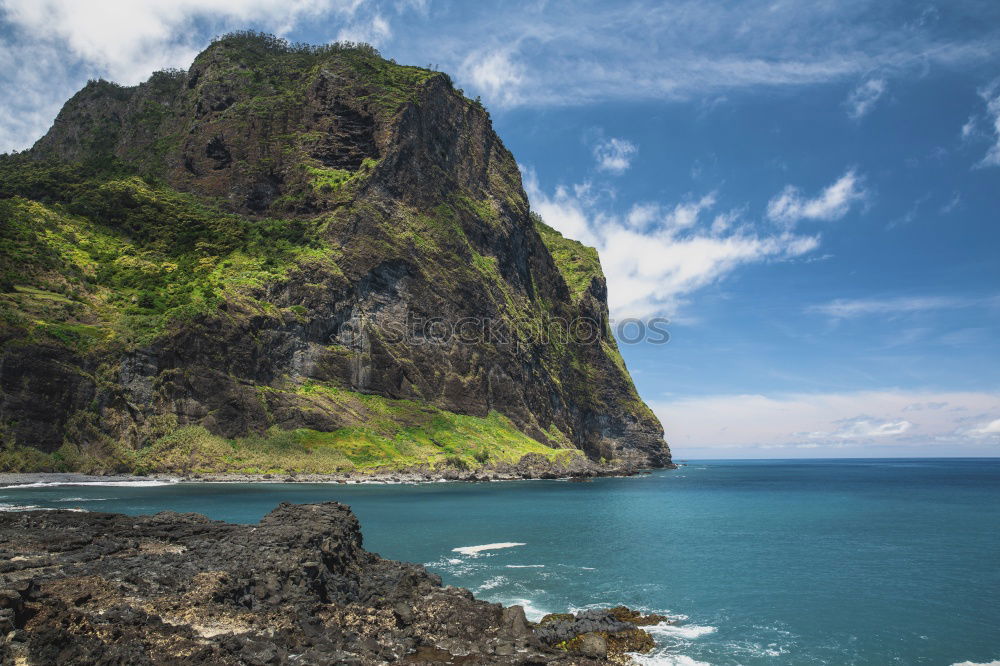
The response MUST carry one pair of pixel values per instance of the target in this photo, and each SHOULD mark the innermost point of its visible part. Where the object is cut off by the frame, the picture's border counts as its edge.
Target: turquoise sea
(839, 562)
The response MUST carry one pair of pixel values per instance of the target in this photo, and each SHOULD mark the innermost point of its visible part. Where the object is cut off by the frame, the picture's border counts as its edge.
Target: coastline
(405, 476)
(182, 587)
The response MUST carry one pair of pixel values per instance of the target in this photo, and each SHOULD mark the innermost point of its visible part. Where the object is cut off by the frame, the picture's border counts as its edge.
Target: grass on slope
(155, 255)
(390, 434)
(578, 263)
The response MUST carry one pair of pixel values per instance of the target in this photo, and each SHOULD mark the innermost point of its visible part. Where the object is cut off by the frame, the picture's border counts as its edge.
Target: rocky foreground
(86, 588)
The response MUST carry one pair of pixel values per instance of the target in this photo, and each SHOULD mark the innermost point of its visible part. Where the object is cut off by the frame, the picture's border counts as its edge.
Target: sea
(841, 562)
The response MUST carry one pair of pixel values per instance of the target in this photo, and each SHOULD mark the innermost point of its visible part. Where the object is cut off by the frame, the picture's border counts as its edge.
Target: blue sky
(809, 191)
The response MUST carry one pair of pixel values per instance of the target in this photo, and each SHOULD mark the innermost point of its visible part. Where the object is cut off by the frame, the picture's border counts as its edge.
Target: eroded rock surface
(88, 588)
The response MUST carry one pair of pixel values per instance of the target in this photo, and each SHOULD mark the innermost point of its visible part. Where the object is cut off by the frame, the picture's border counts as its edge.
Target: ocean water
(841, 562)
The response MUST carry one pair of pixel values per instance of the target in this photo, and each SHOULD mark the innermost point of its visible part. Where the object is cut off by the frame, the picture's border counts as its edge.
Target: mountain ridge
(252, 246)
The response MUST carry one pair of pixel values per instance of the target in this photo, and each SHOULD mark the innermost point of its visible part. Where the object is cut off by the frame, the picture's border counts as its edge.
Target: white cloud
(685, 215)
(496, 74)
(991, 95)
(843, 308)
(51, 47)
(375, 30)
(684, 49)
(615, 155)
(419, 6)
(535, 53)
(952, 204)
(883, 422)
(641, 215)
(969, 128)
(128, 40)
(990, 429)
(861, 428)
(851, 308)
(863, 98)
(724, 221)
(654, 256)
(833, 203)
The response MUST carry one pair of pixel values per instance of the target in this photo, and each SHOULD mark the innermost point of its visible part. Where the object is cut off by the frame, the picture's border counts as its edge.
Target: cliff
(304, 254)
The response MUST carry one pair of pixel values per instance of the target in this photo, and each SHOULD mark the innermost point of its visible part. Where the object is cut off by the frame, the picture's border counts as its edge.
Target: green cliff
(295, 258)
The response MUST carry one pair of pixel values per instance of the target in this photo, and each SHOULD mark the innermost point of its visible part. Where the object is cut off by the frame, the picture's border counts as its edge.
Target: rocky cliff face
(238, 245)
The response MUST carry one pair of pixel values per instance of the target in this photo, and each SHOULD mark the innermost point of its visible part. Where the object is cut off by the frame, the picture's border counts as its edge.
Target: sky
(808, 191)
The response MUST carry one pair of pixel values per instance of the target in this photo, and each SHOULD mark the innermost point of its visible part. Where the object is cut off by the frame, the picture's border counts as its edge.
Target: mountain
(295, 258)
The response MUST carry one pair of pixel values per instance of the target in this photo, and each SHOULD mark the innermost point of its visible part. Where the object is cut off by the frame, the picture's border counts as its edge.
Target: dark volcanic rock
(86, 588)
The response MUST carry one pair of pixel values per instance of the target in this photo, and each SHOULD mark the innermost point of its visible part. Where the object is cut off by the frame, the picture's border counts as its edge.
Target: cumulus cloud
(374, 30)
(832, 203)
(991, 95)
(615, 155)
(51, 47)
(128, 40)
(863, 98)
(496, 74)
(655, 255)
(989, 429)
(862, 423)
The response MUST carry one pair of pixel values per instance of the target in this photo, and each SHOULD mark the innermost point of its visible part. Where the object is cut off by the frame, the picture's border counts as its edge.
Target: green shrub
(456, 462)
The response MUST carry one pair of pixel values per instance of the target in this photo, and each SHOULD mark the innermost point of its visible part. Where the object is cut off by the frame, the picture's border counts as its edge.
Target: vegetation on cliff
(240, 261)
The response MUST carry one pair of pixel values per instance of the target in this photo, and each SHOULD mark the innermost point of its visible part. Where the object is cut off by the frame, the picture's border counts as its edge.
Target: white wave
(111, 484)
(491, 583)
(685, 631)
(84, 499)
(995, 662)
(33, 507)
(646, 610)
(525, 566)
(475, 550)
(756, 649)
(532, 612)
(665, 659)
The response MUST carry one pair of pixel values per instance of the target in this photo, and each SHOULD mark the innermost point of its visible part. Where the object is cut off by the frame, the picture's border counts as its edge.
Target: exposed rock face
(86, 588)
(422, 218)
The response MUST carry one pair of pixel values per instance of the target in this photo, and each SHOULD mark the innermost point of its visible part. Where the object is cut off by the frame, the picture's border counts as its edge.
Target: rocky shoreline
(84, 588)
(531, 466)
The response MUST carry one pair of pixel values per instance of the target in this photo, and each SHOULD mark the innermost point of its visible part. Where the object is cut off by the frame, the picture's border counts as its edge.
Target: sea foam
(685, 631)
(112, 484)
(532, 612)
(32, 507)
(489, 584)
